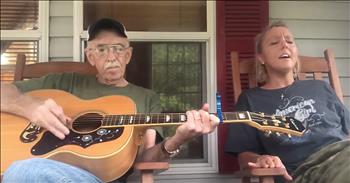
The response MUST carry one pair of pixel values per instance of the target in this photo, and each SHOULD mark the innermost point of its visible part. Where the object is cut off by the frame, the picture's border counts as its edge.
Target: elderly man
(108, 49)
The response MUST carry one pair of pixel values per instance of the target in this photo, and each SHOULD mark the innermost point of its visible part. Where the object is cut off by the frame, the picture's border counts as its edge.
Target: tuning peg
(268, 133)
(273, 117)
(262, 114)
(286, 125)
(278, 134)
(276, 124)
(289, 136)
(284, 118)
(265, 122)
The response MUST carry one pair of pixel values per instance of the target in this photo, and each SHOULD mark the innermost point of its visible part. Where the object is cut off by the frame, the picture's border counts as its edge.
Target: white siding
(61, 47)
(318, 25)
(310, 10)
(61, 31)
(344, 71)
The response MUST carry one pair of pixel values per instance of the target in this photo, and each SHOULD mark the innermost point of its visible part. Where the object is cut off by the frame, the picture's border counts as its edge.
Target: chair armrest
(151, 166)
(258, 172)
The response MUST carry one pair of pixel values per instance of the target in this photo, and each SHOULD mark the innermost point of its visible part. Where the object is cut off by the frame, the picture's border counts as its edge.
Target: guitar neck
(260, 121)
(163, 119)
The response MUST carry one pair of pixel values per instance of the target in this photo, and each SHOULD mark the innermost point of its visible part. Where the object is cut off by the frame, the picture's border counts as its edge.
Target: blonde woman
(312, 102)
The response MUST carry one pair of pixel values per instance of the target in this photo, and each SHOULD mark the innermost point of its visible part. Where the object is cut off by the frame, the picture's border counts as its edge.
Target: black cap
(105, 24)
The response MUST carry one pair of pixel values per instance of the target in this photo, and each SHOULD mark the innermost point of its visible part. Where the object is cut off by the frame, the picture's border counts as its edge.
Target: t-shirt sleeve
(341, 109)
(35, 83)
(242, 137)
(61, 81)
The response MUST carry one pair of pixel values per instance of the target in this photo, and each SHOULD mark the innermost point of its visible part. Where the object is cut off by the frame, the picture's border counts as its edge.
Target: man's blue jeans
(41, 170)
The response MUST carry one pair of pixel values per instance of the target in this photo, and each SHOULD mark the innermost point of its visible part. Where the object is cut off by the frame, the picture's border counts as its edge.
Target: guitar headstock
(277, 124)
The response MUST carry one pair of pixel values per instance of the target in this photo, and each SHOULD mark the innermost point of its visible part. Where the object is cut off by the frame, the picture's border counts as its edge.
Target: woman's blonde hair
(261, 73)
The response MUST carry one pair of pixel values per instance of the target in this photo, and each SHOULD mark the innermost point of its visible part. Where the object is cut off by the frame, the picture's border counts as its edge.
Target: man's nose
(110, 54)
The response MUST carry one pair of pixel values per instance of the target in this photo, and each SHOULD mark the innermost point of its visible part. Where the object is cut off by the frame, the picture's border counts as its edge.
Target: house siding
(61, 31)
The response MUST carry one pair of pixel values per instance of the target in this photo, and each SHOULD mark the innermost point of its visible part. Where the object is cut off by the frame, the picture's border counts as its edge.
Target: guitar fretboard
(162, 118)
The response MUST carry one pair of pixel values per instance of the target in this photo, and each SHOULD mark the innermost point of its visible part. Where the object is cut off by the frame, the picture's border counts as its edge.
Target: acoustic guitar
(105, 133)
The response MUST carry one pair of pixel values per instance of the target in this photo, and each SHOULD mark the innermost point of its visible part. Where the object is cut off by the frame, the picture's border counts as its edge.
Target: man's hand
(50, 116)
(198, 123)
(44, 113)
(267, 161)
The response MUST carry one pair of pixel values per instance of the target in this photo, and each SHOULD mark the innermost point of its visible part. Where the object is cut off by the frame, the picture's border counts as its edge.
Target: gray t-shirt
(314, 103)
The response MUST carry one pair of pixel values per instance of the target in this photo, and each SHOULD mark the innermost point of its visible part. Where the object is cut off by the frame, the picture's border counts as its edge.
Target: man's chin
(113, 79)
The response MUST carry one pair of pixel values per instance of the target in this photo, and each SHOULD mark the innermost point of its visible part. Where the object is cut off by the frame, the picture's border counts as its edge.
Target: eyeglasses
(103, 50)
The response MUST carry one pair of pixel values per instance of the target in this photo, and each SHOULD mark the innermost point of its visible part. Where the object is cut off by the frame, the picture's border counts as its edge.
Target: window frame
(209, 93)
(41, 35)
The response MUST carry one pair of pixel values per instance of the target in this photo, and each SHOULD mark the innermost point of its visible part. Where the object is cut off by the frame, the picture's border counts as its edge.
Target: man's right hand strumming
(44, 113)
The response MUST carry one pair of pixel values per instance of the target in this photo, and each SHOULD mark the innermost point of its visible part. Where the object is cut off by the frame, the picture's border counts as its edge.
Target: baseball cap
(106, 24)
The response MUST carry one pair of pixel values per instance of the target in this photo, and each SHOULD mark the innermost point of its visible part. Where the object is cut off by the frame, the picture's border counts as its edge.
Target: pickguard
(49, 142)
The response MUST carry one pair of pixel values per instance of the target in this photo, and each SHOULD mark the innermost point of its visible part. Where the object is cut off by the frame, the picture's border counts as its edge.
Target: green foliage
(176, 77)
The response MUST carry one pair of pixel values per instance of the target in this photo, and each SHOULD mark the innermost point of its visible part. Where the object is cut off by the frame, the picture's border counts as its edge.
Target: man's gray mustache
(109, 65)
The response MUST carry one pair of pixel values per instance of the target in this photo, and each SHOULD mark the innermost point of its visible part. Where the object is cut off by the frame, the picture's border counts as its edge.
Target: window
(9, 51)
(172, 55)
(21, 32)
(177, 78)
(12, 15)
(165, 16)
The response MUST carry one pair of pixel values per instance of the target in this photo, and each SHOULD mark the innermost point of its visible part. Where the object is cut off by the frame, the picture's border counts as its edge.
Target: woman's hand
(267, 161)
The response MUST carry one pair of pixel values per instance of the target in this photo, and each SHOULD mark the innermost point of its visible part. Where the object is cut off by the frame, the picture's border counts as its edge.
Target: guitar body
(106, 152)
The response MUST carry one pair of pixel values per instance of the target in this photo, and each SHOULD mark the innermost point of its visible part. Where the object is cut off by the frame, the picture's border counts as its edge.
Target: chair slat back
(28, 71)
(310, 68)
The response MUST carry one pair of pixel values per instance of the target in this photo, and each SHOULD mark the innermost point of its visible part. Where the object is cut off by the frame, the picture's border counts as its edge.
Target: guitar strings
(87, 120)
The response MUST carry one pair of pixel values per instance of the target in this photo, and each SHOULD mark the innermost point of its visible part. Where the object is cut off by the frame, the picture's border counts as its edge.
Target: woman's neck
(278, 82)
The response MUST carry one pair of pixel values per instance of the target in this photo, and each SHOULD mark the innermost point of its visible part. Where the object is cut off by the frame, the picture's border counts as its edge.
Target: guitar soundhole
(87, 122)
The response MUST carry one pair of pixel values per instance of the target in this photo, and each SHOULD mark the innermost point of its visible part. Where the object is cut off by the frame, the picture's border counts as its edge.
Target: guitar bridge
(30, 133)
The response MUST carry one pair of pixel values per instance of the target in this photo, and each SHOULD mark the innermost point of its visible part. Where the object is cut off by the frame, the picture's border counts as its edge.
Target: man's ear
(89, 57)
(128, 55)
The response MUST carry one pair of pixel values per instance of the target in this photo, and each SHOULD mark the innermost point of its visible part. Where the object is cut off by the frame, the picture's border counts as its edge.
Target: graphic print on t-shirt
(301, 109)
